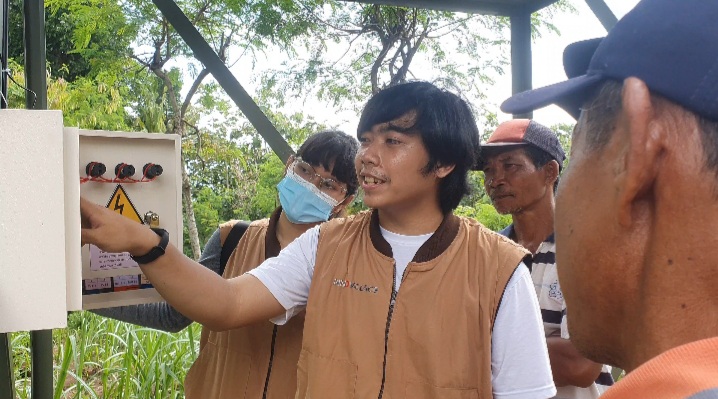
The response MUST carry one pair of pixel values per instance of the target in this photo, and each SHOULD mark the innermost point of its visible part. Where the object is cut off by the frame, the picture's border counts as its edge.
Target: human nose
(494, 179)
(368, 154)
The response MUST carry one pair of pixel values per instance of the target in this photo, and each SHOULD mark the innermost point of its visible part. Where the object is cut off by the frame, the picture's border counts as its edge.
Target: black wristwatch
(156, 251)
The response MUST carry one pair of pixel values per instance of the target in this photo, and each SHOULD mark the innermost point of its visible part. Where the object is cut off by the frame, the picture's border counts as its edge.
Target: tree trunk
(189, 214)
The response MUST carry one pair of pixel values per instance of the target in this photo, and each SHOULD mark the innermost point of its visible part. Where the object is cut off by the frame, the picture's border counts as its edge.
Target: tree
(242, 25)
(84, 38)
(384, 45)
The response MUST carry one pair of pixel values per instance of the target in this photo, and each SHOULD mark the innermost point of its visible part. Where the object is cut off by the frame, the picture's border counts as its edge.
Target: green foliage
(83, 37)
(90, 103)
(486, 215)
(96, 357)
(564, 132)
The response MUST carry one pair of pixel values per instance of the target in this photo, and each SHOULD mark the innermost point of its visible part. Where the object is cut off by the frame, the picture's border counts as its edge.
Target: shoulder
(226, 227)
(340, 229)
(352, 221)
(488, 236)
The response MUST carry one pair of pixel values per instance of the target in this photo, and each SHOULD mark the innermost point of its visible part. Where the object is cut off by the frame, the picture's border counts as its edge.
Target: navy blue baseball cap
(671, 45)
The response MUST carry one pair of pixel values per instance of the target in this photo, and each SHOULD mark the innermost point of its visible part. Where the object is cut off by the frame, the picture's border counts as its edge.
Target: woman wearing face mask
(259, 361)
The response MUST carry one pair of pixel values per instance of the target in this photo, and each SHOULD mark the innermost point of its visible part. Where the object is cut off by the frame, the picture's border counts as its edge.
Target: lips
(497, 197)
(369, 180)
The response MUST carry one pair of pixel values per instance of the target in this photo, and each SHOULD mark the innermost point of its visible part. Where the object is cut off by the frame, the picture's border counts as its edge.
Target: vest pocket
(331, 378)
(422, 390)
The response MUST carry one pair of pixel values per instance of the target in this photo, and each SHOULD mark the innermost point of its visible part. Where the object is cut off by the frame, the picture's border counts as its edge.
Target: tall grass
(96, 357)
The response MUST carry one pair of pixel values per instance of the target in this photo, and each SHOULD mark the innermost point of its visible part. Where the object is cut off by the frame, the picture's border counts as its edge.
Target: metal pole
(36, 98)
(4, 31)
(35, 70)
(7, 389)
(521, 55)
(6, 371)
(603, 13)
(207, 56)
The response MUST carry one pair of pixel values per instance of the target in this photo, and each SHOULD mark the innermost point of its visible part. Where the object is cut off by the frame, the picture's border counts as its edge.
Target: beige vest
(432, 339)
(240, 363)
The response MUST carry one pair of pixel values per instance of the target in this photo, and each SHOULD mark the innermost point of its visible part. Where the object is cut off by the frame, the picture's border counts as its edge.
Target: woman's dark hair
(446, 125)
(334, 151)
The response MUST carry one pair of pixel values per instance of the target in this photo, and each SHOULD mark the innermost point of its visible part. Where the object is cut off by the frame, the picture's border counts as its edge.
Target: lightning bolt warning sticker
(101, 260)
(120, 203)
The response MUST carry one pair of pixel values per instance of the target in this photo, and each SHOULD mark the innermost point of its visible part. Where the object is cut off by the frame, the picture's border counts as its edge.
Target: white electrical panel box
(137, 175)
(32, 221)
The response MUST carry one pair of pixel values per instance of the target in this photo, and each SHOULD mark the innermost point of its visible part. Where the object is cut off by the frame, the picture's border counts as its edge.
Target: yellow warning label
(120, 203)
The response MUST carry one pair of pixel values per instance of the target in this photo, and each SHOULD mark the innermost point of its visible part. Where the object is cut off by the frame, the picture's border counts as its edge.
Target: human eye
(393, 140)
(329, 186)
(304, 169)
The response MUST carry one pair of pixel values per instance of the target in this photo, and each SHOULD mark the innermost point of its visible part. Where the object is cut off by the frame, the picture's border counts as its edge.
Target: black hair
(334, 150)
(602, 111)
(446, 125)
(540, 158)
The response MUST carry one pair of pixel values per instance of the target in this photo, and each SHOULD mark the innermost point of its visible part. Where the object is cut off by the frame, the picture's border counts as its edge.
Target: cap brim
(502, 144)
(489, 149)
(568, 95)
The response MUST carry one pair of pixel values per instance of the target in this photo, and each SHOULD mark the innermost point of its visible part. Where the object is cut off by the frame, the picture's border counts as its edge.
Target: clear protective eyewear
(328, 186)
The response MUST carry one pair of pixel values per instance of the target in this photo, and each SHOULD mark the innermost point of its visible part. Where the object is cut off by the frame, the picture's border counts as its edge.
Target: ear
(551, 170)
(289, 162)
(339, 209)
(644, 136)
(442, 171)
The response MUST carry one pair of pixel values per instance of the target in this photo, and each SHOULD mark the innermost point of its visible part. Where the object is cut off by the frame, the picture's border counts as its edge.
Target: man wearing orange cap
(521, 161)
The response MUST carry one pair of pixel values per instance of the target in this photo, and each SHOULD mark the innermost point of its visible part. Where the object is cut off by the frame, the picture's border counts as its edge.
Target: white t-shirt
(520, 366)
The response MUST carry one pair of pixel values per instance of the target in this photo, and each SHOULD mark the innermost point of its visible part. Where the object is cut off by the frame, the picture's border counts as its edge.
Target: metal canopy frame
(519, 12)
(488, 7)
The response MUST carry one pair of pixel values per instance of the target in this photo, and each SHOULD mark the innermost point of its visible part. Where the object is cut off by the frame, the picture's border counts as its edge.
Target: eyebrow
(396, 128)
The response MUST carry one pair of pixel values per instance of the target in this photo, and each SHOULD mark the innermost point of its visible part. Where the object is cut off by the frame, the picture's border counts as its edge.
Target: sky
(547, 52)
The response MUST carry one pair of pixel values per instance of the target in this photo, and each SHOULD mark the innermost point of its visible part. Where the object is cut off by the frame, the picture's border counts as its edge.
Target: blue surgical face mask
(302, 201)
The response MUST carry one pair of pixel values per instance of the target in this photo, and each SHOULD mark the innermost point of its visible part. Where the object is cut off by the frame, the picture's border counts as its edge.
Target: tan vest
(431, 340)
(240, 363)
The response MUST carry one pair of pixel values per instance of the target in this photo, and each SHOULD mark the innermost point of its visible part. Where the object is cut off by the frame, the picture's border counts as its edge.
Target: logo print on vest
(355, 286)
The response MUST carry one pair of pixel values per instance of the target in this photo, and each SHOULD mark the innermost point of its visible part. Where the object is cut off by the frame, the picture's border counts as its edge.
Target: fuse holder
(151, 170)
(123, 170)
(95, 169)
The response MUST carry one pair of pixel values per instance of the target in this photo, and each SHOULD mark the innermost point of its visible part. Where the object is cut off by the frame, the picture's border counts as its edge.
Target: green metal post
(35, 76)
(6, 372)
(603, 13)
(521, 55)
(35, 70)
(207, 56)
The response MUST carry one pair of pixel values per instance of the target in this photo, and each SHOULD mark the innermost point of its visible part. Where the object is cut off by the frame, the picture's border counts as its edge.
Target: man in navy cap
(637, 210)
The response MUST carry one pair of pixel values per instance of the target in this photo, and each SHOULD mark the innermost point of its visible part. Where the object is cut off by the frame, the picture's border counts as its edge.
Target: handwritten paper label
(101, 260)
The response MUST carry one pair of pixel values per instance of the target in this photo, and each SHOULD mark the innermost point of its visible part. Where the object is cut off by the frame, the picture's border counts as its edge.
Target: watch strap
(157, 250)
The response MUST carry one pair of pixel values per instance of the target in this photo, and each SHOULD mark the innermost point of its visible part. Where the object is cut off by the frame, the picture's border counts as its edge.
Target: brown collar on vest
(433, 247)
(271, 243)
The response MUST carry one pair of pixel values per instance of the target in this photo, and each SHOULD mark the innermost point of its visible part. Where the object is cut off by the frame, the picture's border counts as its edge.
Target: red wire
(117, 179)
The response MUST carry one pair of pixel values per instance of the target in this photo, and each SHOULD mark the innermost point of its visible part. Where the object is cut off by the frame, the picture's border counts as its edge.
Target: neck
(411, 222)
(288, 231)
(533, 225)
(672, 309)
